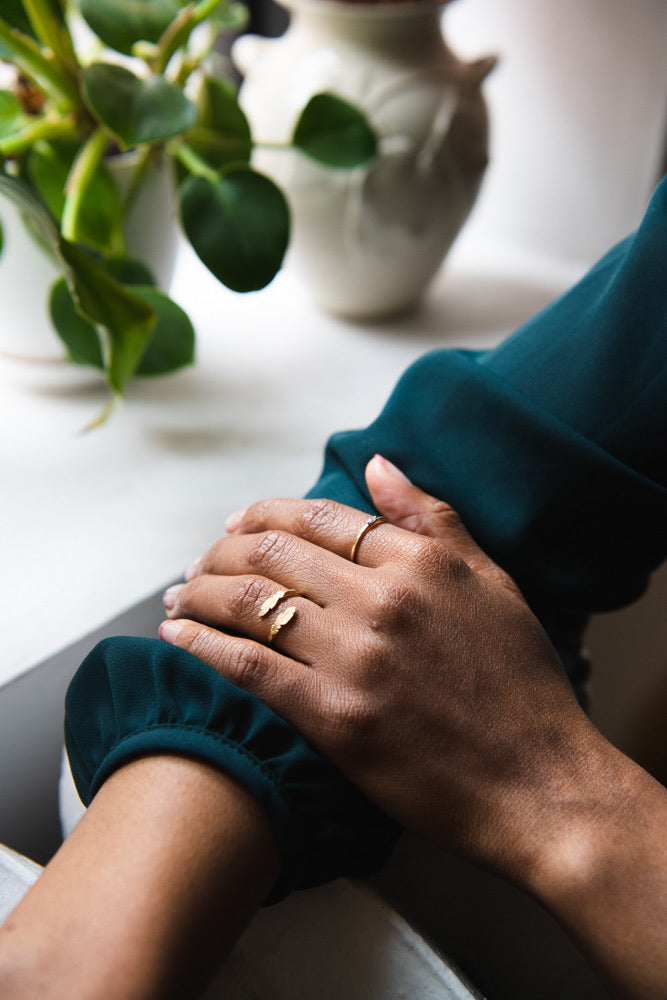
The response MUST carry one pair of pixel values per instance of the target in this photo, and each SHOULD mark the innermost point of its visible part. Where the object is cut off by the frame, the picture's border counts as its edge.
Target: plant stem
(193, 162)
(52, 32)
(107, 410)
(80, 176)
(30, 59)
(44, 128)
(177, 33)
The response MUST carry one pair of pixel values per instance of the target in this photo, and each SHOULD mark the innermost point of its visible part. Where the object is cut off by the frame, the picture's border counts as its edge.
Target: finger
(254, 607)
(284, 684)
(316, 573)
(409, 507)
(323, 523)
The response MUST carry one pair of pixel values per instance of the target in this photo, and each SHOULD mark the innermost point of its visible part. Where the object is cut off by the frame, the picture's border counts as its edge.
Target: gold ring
(270, 602)
(282, 618)
(370, 523)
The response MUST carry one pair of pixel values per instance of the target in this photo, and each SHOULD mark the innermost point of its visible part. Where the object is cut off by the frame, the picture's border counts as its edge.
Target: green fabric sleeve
(553, 446)
(132, 697)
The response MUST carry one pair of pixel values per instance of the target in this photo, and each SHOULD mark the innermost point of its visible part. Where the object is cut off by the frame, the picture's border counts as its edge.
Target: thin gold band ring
(371, 523)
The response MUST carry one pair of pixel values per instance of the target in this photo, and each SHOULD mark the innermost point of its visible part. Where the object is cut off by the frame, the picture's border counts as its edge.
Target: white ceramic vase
(27, 272)
(368, 241)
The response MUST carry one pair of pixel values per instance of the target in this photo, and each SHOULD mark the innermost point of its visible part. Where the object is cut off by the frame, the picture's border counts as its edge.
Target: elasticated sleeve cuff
(133, 697)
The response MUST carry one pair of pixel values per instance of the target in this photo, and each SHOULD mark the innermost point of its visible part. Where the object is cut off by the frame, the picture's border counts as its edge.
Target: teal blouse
(552, 447)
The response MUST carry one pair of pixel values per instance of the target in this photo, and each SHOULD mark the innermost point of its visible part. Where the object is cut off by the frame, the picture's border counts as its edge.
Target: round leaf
(221, 135)
(78, 334)
(137, 110)
(238, 225)
(334, 133)
(121, 23)
(172, 343)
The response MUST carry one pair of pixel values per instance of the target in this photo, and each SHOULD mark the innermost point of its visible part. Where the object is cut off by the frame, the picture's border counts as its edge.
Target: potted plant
(369, 242)
(94, 81)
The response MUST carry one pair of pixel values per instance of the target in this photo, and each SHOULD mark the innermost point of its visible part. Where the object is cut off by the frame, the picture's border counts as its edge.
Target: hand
(420, 671)
(423, 674)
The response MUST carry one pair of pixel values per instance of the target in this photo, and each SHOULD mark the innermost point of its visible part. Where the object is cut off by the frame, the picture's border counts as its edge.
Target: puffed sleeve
(553, 446)
(133, 697)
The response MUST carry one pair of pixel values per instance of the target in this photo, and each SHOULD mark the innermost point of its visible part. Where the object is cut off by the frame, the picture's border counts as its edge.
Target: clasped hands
(418, 669)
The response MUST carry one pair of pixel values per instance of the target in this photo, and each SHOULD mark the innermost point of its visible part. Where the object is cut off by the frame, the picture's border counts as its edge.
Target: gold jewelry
(370, 523)
(282, 618)
(270, 602)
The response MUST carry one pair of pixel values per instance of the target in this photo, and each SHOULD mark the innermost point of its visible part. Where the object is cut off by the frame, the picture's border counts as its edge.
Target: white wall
(578, 109)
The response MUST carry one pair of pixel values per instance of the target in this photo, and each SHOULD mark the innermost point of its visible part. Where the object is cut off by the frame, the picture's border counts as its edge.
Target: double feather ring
(283, 617)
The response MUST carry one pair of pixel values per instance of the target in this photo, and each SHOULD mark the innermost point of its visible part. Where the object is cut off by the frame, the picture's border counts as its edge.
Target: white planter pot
(368, 241)
(27, 273)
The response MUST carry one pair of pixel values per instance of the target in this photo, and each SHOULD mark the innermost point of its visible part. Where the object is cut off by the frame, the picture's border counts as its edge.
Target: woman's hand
(422, 673)
(418, 669)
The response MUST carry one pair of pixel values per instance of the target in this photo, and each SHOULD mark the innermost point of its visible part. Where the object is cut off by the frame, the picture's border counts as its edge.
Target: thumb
(405, 505)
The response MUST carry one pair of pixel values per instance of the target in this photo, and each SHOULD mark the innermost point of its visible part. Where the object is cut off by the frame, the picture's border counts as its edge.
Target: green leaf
(77, 333)
(48, 166)
(128, 320)
(335, 133)
(11, 113)
(129, 271)
(238, 225)
(137, 110)
(38, 221)
(221, 134)
(100, 211)
(172, 343)
(121, 23)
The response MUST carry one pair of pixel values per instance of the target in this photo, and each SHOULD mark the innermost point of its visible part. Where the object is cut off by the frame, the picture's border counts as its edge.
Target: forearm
(149, 892)
(601, 868)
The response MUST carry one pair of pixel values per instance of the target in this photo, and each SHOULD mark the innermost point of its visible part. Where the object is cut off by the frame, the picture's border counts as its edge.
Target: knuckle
(204, 644)
(318, 516)
(259, 513)
(445, 564)
(446, 514)
(271, 550)
(248, 594)
(394, 602)
(350, 717)
(246, 665)
(190, 596)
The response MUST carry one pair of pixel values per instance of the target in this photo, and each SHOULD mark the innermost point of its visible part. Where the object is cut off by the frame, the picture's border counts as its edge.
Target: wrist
(599, 864)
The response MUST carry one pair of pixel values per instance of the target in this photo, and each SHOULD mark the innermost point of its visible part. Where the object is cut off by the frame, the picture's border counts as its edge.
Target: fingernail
(233, 522)
(193, 570)
(391, 469)
(168, 631)
(170, 595)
